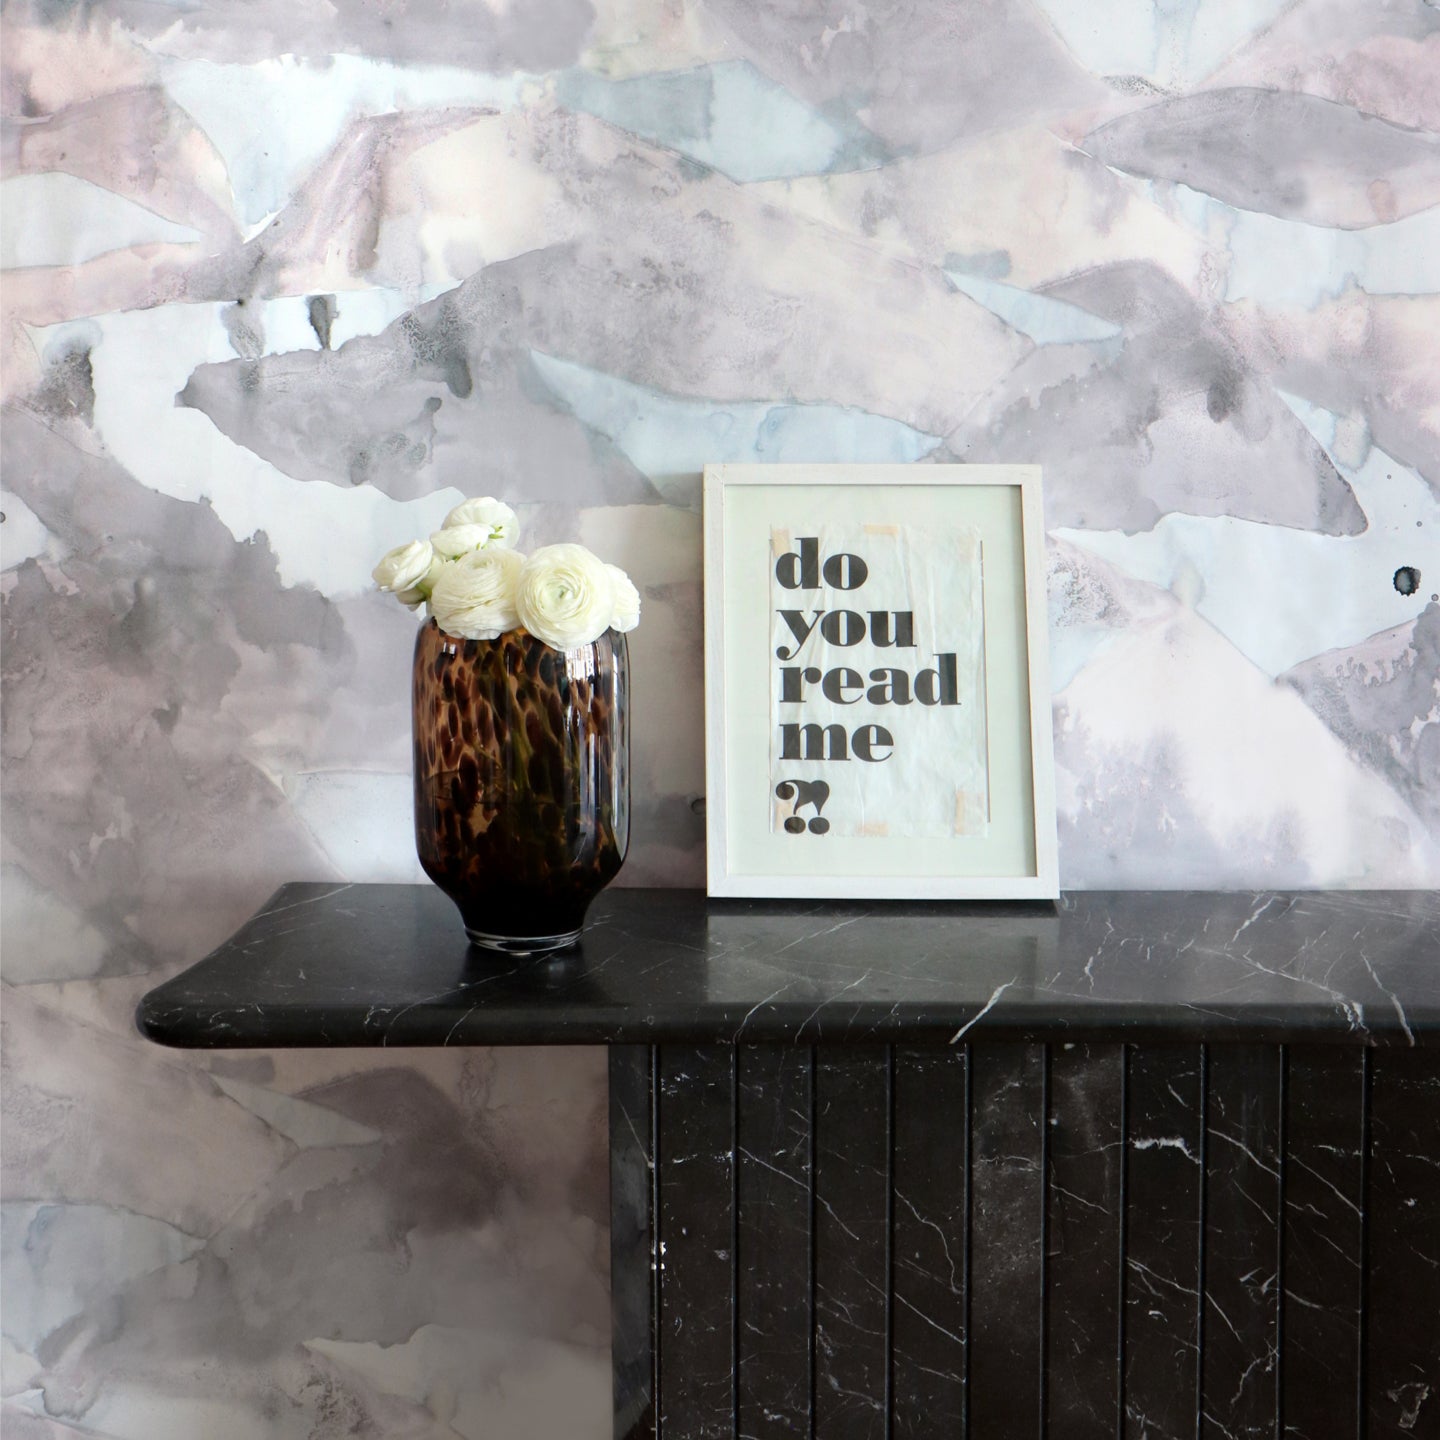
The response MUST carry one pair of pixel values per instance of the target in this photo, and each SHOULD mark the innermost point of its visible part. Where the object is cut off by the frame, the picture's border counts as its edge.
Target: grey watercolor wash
(139, 121)
(922, 75)
(338, 210)
(237, 1275)
(435, 401)
(121, 673)
(1382, 698)
(1176, 420)
(685, 111)
(1292, 155)
(447, 395)
(1372, 376)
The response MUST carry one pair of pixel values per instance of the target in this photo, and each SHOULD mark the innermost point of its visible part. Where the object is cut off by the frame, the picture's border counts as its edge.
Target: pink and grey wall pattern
(284, 281)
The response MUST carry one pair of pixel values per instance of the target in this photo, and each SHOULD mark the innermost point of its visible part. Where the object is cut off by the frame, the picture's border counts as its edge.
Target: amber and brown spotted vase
(522, 781)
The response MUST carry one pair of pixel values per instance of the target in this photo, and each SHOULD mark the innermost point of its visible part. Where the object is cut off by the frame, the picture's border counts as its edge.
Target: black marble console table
(1142, 1164)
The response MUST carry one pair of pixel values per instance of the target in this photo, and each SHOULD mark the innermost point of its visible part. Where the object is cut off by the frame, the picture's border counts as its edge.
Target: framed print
(877, 713)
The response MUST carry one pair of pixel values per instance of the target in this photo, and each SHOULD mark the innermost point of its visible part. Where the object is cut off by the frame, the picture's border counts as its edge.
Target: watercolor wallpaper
(285, 279)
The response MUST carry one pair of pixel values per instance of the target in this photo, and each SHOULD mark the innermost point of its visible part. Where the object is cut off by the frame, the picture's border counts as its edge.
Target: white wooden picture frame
(877, 683)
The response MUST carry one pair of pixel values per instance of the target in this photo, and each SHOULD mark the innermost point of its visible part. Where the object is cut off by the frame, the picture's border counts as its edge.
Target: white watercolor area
(308, 106)
(285, 322)
(1263, 793)
(486, 1383)
(443, 220)
(302, 1122)
(338, 808)
(1172, 45)
(135, 1409)
(322, 535)
(959, 207)
(1040, 318)
(670, 438)
(41, 937)
(59, 219)
(726, 116)
(1288, 264)
(1282, 595)
(61, 1258)
(23, 535)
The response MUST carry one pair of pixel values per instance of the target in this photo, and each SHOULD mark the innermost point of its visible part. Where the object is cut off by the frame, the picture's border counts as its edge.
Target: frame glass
(877, 689)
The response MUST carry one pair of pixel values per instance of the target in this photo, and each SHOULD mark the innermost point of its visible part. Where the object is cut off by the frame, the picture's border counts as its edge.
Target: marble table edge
(450, 1017)
(1125, 1022)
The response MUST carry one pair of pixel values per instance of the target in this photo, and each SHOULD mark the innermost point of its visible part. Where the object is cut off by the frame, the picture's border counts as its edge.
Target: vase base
(522, 945)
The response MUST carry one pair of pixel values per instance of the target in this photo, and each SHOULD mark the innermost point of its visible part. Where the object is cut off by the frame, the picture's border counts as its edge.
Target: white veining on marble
(982, 1012)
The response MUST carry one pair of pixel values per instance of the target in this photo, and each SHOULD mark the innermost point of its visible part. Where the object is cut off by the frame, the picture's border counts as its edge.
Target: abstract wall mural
(286, 280)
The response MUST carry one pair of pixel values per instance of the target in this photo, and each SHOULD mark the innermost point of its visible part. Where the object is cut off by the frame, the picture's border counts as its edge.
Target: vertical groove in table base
(1402, 1360)
(695, 1332)
(1005, 1240)
(1163, 1155)
(1242, 1218)
(1083, 1240)
(852, 1183)
(927, 1286)
(1320, 1370)
(773, 1318)
(1007, 1187)
(1362, 1348)
(632, 1240)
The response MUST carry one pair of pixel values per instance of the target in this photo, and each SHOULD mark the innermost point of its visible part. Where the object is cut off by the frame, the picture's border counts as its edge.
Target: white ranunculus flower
(457, 540)
(497, 517)
(474, 598)
(427, 584)
(405, 567)
(626, 615)
(412, 599)
(566, 596)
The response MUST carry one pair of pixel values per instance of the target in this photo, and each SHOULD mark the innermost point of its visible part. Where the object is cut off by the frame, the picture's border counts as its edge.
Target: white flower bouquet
(477, 585)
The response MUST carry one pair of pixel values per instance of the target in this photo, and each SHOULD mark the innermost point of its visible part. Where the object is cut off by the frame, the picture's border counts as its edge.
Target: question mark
(805, 792)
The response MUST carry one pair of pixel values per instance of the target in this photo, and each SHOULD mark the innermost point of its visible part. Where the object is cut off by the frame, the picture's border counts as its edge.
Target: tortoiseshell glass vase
(522, 781)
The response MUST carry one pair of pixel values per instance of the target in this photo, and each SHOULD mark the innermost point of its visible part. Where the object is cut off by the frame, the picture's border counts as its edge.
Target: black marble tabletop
(389, 965)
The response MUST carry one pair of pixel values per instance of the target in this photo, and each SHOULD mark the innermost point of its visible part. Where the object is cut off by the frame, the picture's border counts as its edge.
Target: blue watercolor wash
(670, 440)
(1043, 320)
(728, 117)
(989, 264)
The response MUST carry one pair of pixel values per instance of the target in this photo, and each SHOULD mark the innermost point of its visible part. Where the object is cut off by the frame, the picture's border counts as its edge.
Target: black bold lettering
(842, 627)
(867, 737)
(795, 619)
(940, 686)
(846, 572)
(893, 689)
(802, 571)
(826, 742)
(904, 629)
(837, 682)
